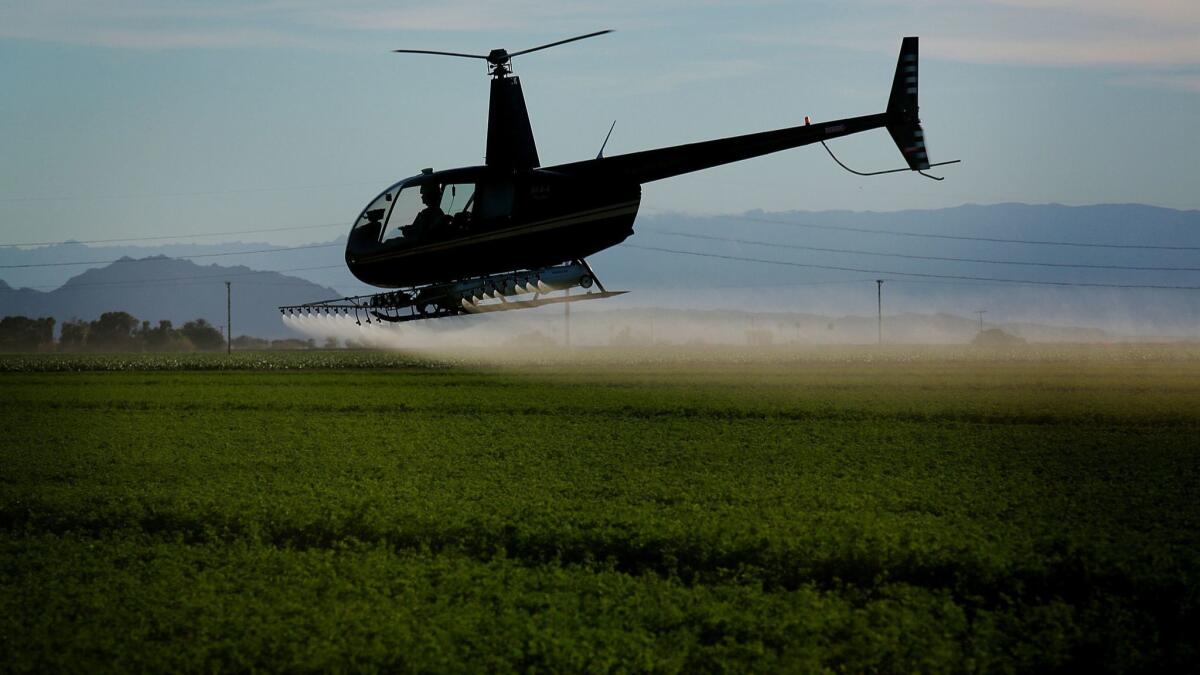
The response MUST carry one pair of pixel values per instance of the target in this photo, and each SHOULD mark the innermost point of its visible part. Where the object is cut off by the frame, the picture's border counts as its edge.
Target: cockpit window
(375, 216)
(405, 207)
(428, 211)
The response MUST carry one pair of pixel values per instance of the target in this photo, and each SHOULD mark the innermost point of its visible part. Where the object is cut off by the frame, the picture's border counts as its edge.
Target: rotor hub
(499, 62)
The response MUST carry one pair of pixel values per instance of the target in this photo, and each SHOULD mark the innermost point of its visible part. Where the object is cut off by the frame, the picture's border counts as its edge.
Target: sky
(136, 118)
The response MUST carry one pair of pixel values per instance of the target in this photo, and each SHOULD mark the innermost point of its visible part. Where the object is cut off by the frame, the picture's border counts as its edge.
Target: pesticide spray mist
(763, 317)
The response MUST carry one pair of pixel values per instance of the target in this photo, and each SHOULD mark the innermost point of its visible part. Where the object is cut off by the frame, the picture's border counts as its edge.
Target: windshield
(377, 212)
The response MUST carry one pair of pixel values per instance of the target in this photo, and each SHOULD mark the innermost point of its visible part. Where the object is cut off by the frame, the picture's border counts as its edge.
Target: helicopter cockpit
(418, 212)
(433, 207)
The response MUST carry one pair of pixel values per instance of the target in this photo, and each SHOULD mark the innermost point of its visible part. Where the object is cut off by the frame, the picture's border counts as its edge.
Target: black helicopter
(508, 234)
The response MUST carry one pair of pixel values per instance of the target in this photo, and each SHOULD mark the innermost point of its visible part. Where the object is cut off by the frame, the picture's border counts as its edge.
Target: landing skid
(494, 293)
(541, 301)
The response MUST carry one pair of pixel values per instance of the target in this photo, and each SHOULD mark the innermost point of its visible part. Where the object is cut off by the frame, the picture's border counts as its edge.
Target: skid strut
(478, 295)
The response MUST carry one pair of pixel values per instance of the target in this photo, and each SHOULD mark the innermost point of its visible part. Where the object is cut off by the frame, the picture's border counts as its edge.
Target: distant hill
(1102, 223)
(876, 245)
(47, 267)
(869, 246)
(177, 290)
(871, 240)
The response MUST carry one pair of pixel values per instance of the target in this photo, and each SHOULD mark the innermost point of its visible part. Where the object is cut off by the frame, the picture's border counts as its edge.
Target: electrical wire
(901, 233)
(911, 274)
(988, 261)
(200, 278)
(178, 257)
(162, 195)
(172, 236)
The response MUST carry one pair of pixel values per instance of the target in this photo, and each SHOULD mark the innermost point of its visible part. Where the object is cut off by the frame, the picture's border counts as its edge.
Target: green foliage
(20, 333)
(113, 331)
(203, 335)
(249, 342)
(273, 360)
(73, 335)
(358, 511)
(293, 343)
(163, 338)
(995, 337)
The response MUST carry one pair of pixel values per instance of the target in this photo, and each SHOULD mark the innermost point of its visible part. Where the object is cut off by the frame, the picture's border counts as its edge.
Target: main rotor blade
(560, 42)
(426, 51)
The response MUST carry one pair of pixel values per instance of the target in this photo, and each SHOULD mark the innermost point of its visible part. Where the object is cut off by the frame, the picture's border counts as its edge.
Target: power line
(190, 279)
(172, 236)
(157, 259)
(911, 274)
(197, 193)
(790, 284)
(901, 233)
(898, 233)
(989, 261)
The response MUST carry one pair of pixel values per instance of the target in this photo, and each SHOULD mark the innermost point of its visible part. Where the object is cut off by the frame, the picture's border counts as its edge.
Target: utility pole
(981, 312)
(879, 302)
(228, 322)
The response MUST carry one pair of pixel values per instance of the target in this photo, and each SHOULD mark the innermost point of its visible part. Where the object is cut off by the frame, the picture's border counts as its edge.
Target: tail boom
(900, 119)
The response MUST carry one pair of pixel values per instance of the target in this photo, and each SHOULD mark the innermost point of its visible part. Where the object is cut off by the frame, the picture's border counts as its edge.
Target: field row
(601, 357)
(919, 517)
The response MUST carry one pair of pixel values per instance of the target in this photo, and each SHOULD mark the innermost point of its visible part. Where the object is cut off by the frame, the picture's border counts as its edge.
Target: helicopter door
(457, 200)
(494, 201)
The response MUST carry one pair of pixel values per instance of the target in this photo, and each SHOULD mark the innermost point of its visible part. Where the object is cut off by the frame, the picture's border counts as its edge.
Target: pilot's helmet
(431, 190)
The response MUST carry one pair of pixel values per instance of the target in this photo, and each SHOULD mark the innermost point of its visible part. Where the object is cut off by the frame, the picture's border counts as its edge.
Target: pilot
(430, 219)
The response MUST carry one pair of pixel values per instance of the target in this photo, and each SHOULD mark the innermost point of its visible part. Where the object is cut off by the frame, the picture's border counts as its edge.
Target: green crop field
(845, 510)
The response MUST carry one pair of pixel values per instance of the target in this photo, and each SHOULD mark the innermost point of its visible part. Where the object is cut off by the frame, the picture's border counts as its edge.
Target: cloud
(153, 24)
(1162, 11)
(1152, 33)
(141, 24)
(187, 24)
(1068, 50)
(527, 15)
(1149, 33)
(442, 16)
(1176, 81)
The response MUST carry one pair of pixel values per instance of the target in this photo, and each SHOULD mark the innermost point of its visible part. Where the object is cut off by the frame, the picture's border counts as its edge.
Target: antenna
(879, 300)
(600, 155)
(228, 321)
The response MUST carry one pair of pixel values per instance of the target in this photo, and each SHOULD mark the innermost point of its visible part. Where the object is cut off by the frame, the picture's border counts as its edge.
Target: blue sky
(139, 118)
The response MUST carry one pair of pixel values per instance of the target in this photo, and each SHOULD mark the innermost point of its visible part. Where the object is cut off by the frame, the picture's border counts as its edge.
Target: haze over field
(766, 263)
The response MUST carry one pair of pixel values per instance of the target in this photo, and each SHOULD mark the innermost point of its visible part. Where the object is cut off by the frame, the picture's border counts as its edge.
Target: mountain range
(1044, 264)
(158, 288)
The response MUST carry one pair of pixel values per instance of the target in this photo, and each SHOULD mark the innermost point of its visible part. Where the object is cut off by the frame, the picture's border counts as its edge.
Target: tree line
(121, 331)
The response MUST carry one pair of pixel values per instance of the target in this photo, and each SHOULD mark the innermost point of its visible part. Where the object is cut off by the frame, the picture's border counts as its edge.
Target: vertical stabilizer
(903, 122)
(510, 137)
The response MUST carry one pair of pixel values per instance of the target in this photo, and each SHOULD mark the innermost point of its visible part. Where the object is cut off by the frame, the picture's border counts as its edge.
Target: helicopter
(514, 234)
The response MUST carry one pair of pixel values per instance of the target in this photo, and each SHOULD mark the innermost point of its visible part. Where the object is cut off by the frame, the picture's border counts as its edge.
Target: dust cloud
(771, 317)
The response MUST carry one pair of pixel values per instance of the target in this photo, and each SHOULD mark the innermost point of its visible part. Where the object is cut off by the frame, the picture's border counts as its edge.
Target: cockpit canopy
(434, 206)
